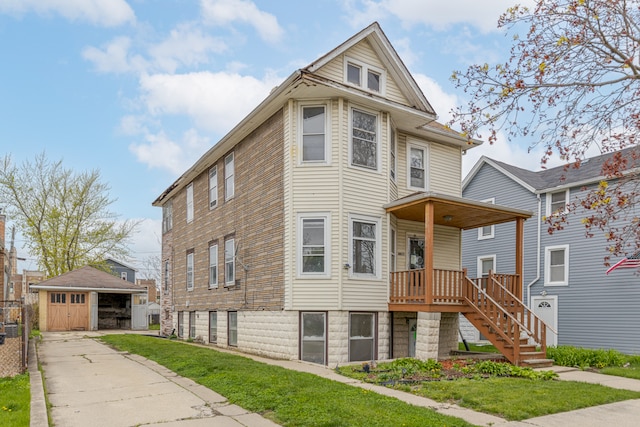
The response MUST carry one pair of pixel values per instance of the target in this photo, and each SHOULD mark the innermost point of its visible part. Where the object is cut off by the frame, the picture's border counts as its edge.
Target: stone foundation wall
(428, 335)
(448, 340)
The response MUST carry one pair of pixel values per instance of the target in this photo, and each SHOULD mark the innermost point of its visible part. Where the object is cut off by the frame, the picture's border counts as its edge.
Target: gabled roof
(89, 279)
(590, 171)
(120, 263)
(388, 55)
(418, 117)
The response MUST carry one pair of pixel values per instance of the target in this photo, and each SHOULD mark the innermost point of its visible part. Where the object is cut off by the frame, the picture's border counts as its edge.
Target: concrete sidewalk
(84, 390)
(90, 384)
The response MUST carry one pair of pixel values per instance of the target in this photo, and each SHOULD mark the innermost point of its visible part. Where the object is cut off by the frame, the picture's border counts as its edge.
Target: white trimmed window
(123, 275)
(192, 324)
(213, 187)
(314, 255)
(557, 202)
(167, 216)
(365, 76)
(362, 336)
(229, 262)
(313, 337)
(392, 250)
(556, 265)
(313, 138)
(417, 167)
(190, 271)
(488, 231)
(232, 328)
(364, 139)
(364, 246)
(166, 276)
(190, 202)
(213, 326)
(392, 154)
(485, 264)
(229, 176)
(213, 266)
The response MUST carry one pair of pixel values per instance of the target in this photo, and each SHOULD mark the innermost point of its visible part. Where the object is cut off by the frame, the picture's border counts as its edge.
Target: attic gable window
(363, 75)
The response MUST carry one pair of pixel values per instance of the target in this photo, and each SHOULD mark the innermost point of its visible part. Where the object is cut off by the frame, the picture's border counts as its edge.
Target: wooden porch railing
(408, 287)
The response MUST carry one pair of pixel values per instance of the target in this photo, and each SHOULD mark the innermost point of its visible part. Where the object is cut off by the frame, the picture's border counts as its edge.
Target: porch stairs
(506, 322)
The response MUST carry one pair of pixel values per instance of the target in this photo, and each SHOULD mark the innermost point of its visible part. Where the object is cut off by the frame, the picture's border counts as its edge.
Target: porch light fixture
(447, 218)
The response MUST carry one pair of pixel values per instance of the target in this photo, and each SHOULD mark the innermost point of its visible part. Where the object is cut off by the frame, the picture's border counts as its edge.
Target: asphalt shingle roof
(89, 277)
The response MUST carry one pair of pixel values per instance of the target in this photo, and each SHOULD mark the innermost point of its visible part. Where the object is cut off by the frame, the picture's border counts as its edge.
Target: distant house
(565, 280)
(326, 226)
(90, 299)
(122, 270)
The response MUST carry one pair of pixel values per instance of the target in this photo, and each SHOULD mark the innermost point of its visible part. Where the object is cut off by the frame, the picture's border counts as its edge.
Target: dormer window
(363, 75)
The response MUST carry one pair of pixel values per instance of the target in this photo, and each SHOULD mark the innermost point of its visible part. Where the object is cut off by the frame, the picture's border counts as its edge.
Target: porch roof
(454, 211)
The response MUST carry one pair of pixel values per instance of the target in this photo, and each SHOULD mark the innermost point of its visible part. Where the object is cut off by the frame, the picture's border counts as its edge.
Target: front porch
(493, 304)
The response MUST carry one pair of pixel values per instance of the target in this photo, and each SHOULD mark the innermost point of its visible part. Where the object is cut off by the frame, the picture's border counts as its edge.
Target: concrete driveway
(90, 384)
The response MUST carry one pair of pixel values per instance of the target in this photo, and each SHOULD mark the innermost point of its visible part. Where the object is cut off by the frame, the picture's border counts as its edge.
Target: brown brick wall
(166, 300)
(255, 219)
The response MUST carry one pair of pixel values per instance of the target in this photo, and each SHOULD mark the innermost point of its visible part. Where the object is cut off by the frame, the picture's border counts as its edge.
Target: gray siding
(594, 310)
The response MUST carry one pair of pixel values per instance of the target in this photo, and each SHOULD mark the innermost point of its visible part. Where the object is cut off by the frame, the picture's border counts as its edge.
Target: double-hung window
(392, 154)
(213, 187)
(364, 76)
(556, 202)
(364, 139)
(213, 266)
(213, 326)
(229, 262)
(417, 167)
(556, 265)
(167, 216)
(166, 276)
(190, 270)
(314, 144)
(190, 202)
(229, 176)
(364, 248)
(314, 253)
(487, 232)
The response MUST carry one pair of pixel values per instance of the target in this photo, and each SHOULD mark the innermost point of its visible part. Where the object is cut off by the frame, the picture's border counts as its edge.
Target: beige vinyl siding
(446, 244)
(445, 169)
(363, 52)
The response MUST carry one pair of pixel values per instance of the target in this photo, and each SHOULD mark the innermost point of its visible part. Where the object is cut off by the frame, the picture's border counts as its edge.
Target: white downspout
(537, 255)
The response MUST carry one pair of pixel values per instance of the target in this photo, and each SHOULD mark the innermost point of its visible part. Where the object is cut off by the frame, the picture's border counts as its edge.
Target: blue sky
(139, 89)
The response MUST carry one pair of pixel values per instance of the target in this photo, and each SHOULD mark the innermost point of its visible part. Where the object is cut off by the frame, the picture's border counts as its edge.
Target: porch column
(428, 249)
(519, 255)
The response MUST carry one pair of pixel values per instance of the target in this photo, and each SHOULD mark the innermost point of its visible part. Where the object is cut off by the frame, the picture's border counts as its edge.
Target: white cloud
(440, 100)
(115, 57)
(107, 13)
(216, 101)
(224, 12)
(439, 15)
(185, 46)
(161, 152)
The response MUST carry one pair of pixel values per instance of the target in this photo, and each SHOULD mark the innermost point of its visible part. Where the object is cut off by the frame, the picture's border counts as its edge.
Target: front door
(139, 311)
(416, 253)
(546, 308)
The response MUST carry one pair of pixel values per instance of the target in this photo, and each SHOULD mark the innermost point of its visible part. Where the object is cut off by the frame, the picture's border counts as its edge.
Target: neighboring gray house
(122, 270)
(565, 281)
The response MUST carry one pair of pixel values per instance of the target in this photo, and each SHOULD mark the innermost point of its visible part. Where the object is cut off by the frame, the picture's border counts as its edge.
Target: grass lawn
(15, 401)
(484, 348)
(630, 371)
(500, 389)
(285, 396)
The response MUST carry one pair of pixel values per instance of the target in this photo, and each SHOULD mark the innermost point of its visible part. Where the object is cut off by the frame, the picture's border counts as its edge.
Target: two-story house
(565, 280)
(326, 225)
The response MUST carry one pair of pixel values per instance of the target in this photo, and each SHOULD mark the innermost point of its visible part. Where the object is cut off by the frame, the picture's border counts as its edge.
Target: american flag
(632, 261)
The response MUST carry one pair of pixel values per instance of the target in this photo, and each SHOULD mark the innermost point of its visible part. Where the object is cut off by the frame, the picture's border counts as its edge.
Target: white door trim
(552, 339)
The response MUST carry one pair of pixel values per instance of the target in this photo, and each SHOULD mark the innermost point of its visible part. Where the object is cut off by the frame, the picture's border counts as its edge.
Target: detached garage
(90, 299)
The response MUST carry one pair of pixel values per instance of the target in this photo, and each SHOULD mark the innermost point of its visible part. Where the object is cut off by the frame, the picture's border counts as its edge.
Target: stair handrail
(530, 333)
(510, 340)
